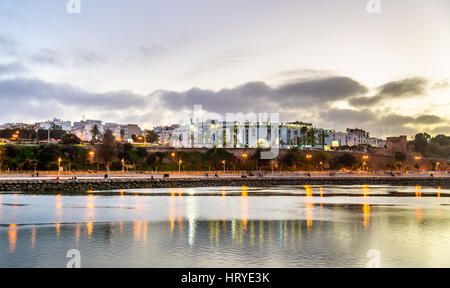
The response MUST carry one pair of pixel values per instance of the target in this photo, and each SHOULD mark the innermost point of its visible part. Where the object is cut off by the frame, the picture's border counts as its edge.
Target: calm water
(307, 226)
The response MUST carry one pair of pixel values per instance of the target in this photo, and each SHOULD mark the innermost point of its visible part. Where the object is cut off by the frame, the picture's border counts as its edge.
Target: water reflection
(287, 243)
(185, 229)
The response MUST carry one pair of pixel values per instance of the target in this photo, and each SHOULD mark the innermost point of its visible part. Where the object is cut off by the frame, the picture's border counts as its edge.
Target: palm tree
(122, 134)
(303, 131)
(312, 135)
(322, 138)
(95, 133)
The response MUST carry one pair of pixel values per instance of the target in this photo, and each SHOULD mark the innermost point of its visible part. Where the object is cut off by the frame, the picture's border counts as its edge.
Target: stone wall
(77, 187)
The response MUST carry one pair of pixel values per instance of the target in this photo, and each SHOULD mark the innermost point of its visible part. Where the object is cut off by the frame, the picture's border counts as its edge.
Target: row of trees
(438, 146)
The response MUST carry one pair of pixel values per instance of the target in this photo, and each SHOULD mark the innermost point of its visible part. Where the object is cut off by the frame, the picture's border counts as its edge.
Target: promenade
(81, 184)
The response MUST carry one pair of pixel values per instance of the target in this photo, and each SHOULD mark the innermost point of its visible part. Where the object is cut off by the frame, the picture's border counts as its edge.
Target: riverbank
(86, 186)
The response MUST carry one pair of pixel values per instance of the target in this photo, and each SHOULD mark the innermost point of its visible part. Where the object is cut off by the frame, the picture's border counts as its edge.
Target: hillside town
(236, 144)
(208, 134)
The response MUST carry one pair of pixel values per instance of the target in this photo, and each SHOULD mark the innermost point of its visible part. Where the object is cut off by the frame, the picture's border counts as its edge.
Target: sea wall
(83, 186)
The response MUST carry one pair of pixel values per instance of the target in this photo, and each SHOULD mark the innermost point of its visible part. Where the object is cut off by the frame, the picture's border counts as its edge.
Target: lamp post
(59, 166)
(365, 158)
(244, 156)
(91, 157)
(223, 162)
(179, 165)
(123, 165)
(308, 157)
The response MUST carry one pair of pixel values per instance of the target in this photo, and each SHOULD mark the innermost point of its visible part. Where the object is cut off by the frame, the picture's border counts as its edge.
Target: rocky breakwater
(84, 186)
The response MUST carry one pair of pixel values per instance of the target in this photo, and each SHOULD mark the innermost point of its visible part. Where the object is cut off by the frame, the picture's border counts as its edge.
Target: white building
(357, 137)
(247, 134)
(83, 129)
(377, 142)
(47, 125)
(332, 139)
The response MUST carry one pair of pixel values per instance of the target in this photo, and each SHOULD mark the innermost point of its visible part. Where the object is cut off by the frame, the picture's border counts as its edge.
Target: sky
(328, 62)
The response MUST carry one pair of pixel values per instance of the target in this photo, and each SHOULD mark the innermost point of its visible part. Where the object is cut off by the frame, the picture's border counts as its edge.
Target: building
(377, 142)
(357, 137)
(332, 139)
(397, 144)
(246, 134)
(165, 133)
(55, 123)
(18, 126)
(83, 129)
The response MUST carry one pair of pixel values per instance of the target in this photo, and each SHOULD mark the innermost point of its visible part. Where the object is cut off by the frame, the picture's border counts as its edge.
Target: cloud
(405, 87)
(151, 52)
(408, 87)
(429, 119)
(220, 60)
(47, 57)
(13, 68)
(442, 130)
(260, 97)
(33, 92)
(75, 57)
(375, 121)
(8, 45)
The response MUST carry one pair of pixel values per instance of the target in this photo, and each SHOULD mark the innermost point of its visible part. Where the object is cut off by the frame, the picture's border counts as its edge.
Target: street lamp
(179, 165)
(223, 162)
(91, 154)
(365, 158)
(59, 165)
(123, 165)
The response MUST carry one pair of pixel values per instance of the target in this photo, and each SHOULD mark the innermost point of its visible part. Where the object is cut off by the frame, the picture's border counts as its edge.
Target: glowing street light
(91, 156)
(179, 165)
(223, 162)
(59, 165)
(123, 165)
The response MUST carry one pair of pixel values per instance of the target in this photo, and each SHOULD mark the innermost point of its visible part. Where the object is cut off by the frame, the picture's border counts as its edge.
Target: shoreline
(87, 186)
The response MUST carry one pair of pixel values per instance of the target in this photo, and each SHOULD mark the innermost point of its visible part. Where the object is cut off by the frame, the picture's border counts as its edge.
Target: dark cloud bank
(297, 99)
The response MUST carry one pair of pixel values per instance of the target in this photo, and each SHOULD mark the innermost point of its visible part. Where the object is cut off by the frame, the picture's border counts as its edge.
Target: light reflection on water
(314, 230)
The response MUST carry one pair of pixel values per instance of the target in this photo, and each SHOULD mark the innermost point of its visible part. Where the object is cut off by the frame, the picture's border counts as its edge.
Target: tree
(319, 157)
(95, 133)
(323, 135)
(421, 142)
(46, 154)
(312, 136)
(122, 134)
(400, 157)
(303, 131)
(70, 139)
(108, 147)
(151, 136)
(346, 160)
